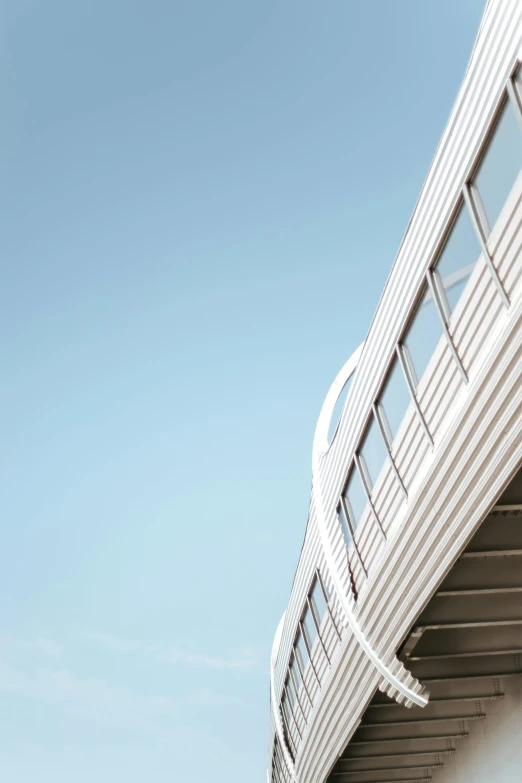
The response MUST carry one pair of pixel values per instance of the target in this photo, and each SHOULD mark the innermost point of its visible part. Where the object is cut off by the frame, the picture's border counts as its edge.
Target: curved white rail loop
(393, 684)
(275, 703)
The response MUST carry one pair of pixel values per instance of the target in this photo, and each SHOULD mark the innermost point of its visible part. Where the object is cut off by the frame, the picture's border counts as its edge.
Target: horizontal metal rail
(440, 751)
(491, 553)
(402, 780)
(471, 624)
(460, 735)
(486, 675)
(485, 697)
(480, 591)
(414, 721)
(435, 765)
(474, 654)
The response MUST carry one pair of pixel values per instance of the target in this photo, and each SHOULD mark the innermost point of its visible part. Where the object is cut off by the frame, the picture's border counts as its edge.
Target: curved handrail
(320, 448)
(274, 703)
(321, 443)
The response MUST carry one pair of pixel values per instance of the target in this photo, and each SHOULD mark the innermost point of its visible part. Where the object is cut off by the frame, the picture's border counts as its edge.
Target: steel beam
(480, 591)
(491, 553)
(460, 735)
(507, 507)
(483, 697)
(440, 751)
(434, 765)
(513, 651)
(472, 624)
(461, 677)
(385, 724)
(423, 779)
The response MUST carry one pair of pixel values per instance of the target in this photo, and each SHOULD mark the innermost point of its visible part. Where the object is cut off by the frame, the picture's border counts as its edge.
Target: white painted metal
(274, 701)
(476, 429)
(319, 451)
(492, 751)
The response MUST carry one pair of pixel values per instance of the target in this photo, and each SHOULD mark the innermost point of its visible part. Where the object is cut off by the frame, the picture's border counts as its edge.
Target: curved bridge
(429, 438)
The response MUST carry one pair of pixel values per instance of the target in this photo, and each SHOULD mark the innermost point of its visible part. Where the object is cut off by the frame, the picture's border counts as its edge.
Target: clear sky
(200, 204)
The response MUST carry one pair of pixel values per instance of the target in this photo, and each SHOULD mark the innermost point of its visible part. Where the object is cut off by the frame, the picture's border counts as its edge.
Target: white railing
(476, 327)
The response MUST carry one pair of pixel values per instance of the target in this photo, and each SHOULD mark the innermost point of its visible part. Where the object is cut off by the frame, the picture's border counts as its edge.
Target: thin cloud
(87, 696)
(32, 669)
(114, 643)
(244, 659)
(205, 697)
(40, 645)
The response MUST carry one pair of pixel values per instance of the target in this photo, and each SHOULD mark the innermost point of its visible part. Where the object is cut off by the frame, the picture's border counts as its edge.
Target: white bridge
(399, 657)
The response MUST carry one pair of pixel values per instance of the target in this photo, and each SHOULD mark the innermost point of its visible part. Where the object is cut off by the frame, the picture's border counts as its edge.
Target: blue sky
(200, 204)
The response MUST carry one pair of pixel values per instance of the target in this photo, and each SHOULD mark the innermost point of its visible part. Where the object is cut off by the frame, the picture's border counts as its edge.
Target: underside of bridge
(466, 647)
